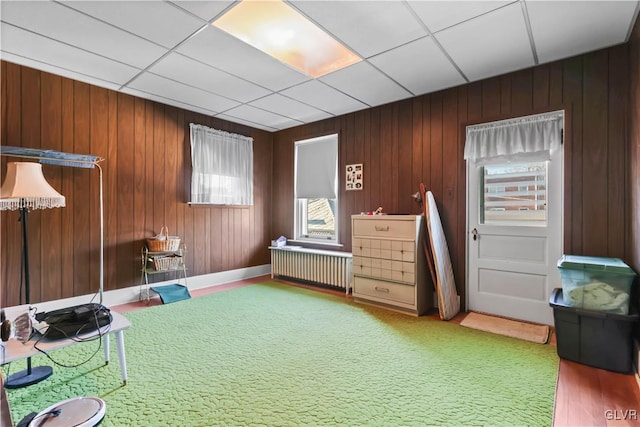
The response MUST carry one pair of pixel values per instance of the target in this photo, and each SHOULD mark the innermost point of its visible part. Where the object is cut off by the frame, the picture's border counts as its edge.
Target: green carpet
(277, 355)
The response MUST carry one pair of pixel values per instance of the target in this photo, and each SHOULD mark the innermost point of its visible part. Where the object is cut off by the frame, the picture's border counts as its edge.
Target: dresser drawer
(393, 292)
(397, 229)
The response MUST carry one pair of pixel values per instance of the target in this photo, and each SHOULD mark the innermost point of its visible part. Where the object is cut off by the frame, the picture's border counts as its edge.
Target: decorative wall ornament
(354, 177)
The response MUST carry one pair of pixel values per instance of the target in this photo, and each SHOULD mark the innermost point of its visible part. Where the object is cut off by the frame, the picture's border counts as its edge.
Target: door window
(514, 194)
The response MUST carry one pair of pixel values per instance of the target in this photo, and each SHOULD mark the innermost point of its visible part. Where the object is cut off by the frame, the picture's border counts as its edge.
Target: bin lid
(579, 262)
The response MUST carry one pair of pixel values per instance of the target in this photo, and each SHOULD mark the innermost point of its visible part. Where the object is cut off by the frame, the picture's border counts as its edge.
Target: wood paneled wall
(421, 140)
(147, 175)
(634, 147)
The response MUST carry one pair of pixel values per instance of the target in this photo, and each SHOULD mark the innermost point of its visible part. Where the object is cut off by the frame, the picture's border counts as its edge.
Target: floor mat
(510, 328)
(172, 293)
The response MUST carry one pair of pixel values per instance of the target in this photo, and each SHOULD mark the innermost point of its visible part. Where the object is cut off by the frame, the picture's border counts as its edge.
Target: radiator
(331, 268)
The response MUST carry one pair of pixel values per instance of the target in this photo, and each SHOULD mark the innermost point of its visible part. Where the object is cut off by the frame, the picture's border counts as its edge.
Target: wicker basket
(163, 263)
(163, 242)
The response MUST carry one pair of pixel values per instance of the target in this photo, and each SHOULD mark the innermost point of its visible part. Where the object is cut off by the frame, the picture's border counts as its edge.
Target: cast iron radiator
(331, 268)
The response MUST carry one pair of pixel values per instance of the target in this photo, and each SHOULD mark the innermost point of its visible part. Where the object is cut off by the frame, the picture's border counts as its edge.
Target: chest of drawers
(389, 267)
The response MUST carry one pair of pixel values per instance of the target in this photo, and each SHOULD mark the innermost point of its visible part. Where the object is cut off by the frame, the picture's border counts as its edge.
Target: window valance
(515, 139)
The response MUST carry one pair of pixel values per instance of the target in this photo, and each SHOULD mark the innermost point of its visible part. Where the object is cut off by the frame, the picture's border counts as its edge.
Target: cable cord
(76, 337)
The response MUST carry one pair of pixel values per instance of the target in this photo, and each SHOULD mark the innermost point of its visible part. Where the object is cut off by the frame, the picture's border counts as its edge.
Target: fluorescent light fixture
(280, 31)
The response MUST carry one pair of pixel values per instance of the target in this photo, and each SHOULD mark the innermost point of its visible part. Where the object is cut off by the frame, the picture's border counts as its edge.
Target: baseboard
(131, 294)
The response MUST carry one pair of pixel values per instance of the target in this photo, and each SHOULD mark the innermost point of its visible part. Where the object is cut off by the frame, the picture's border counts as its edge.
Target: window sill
(317, 243)
(215, 205)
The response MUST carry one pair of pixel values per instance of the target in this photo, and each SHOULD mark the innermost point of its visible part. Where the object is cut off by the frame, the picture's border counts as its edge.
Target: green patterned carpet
(277, 355)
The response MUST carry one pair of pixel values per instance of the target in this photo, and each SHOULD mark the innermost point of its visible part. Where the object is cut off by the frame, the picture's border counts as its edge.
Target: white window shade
(222, 165)
(317, 168)
(514, 140)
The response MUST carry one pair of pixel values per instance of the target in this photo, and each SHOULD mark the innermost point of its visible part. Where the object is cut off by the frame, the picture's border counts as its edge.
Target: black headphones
(5, 329)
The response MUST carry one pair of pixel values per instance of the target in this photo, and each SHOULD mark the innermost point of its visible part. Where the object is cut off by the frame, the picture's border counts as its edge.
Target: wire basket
(163, 242)
(163, 263)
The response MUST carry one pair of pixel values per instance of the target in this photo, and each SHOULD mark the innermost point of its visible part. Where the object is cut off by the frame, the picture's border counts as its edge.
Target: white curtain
(317, 167)
(514, 140)
(222, 165)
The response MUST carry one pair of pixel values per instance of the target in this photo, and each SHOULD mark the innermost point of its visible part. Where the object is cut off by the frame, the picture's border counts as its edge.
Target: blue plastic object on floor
(172, 293)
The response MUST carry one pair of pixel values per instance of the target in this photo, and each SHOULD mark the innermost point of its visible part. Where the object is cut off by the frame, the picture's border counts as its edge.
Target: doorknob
(475, 234)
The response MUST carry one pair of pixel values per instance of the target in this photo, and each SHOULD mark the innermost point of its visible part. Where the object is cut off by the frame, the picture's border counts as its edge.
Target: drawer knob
(380, 289)
(382, 228)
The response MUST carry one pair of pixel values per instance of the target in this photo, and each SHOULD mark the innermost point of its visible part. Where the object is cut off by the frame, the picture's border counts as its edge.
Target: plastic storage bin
(596, 283)
(594, 338)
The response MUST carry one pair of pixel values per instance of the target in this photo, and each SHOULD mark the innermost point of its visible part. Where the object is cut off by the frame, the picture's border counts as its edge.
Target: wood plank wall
(634, 147)
(421, 140)
(147, 174)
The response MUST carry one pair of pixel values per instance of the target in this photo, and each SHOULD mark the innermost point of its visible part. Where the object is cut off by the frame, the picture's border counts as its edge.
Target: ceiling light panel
(166, 88)
(282, 32)
(186, 70)
(358, 81)
(438, 15)
(430, 69)
(227, 53)
(66, 25)
(290, 108)
(324, 97)
(43, 53)
(597, 22)
(368, 27)
(163, 23)
(491, 44)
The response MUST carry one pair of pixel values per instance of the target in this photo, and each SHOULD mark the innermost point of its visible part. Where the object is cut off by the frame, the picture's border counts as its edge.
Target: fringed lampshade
(25, 186)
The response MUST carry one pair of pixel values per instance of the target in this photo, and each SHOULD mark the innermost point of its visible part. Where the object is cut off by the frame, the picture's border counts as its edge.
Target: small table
(15, 350)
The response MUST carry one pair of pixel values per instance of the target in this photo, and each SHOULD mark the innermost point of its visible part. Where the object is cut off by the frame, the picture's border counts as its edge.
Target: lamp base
(28, 377)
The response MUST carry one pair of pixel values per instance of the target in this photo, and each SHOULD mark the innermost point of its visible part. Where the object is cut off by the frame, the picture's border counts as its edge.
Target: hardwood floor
(585, 396)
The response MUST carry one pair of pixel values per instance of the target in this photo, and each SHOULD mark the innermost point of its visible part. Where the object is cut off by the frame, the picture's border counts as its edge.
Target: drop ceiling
(168, 51)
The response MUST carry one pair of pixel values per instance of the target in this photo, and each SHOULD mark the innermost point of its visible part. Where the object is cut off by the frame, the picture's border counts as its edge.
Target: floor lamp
(25, 188)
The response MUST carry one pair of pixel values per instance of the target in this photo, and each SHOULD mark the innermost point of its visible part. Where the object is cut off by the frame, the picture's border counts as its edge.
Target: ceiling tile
(365, 83)
(48, 68)
(183, 69)
(367, 27)
(324, 97)
(151, 83)
(257, 115)
(583, 26)
(430, 69)
(167, 101)
(246, 122)
(206, 10)
(60, 23)
(163, 23)
(70, 61)
(494, 43)
(290, 108)
(438, 15)
(222, 51)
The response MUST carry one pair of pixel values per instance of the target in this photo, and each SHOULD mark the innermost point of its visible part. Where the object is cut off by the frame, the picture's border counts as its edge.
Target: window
(222, 165)
(514, 193)
(316, 201)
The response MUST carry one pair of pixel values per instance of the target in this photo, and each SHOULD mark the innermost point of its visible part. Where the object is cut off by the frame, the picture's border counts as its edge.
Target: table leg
(121, 355)
(106, 345)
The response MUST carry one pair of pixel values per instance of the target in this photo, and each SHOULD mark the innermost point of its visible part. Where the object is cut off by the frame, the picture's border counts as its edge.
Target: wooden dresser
(389, 266)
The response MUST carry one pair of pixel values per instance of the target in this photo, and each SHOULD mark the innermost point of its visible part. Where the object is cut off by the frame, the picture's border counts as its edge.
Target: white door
(514, 218)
